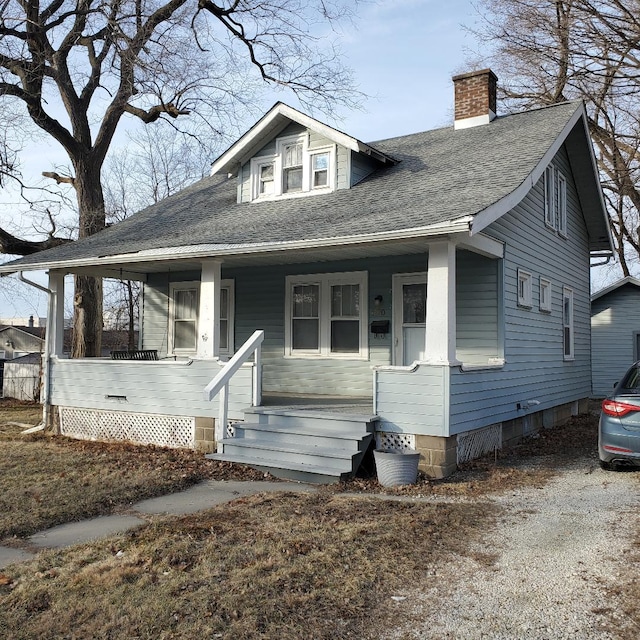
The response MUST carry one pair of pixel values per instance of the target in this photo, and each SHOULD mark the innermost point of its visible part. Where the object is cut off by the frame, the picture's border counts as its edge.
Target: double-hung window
(184, 306)
(326, 315)
(294, 169)
(555, 200)
(183, 316)
(567, 323)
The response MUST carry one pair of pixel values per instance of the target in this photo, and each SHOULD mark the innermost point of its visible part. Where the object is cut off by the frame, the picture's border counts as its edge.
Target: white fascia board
(614, 286)
(480, 243)
(495, 211)
(237, 153)
(208, 251)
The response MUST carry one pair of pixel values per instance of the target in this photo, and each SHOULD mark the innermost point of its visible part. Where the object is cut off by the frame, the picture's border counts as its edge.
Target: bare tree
(77, 67)
(549, 51)
(157, 162)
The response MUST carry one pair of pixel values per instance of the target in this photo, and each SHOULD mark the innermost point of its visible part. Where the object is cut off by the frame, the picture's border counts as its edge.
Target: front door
(409, 316)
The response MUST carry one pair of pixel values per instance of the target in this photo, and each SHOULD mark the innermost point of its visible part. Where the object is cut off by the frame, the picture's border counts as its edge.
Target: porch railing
(219, 386)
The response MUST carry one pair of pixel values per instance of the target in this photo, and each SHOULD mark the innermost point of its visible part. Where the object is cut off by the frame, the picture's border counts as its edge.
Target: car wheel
(608, 466)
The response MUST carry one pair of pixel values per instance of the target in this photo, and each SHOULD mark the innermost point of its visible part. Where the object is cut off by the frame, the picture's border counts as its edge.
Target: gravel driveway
(546, 565)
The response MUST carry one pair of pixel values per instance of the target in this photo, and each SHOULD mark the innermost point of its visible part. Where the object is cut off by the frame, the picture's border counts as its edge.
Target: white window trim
(567, 293)
(230, 285)
(179, 286)
(325, 281)
(555, 200)
(549, 197)
(525, 300)
(545, 284)
(561, 206)
(195, 284)
(276, 160)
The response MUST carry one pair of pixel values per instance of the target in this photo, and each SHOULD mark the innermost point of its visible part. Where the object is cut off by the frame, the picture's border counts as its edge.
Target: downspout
(46, 365)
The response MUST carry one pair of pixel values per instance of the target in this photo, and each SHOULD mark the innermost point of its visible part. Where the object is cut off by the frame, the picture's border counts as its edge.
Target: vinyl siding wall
(533, 340)
(166, 388)
(615, 321)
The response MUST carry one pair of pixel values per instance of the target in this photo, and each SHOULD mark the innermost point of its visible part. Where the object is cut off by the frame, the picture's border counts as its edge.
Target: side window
(545, 294)
(524, 288)
(567, 323)
(183, 316)
(549, 198)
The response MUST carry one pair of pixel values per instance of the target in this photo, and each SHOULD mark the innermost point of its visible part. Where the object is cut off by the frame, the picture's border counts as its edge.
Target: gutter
(45, 392)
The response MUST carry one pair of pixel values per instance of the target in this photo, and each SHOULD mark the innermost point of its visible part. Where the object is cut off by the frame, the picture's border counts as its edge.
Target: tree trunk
(87, 303)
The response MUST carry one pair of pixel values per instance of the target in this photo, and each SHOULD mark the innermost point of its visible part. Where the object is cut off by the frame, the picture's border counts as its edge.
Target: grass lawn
(282, 565)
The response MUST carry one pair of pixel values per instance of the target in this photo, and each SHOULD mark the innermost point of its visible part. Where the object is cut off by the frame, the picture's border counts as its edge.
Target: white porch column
(441, 303)
(208, 342)
(55, 315)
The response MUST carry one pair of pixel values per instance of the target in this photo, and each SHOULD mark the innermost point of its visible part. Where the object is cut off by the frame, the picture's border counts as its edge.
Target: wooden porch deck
(317, 403)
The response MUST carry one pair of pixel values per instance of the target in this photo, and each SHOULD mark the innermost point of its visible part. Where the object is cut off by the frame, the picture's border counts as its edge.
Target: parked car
(619, 428)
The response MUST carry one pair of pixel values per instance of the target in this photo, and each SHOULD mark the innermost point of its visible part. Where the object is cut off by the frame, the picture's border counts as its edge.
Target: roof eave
(616, 285)
(595, 210)
(204, 252)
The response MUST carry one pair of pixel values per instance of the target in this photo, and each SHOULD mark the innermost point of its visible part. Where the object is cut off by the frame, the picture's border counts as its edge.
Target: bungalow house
(430, 291)
(615, 333)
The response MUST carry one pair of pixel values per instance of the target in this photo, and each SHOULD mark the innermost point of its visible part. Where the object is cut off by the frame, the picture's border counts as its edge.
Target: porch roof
(446, 181)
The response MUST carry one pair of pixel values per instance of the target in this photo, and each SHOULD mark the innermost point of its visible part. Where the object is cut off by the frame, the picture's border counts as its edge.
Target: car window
(631, 380)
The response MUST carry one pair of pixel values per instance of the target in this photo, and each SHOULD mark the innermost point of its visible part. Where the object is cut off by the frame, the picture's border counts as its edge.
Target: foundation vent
(474, 444)
(388, 441)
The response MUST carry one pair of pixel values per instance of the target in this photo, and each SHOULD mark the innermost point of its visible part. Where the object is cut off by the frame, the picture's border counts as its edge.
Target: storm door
(409, 317)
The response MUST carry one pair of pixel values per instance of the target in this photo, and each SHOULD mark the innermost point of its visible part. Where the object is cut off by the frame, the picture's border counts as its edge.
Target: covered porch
(417, 305)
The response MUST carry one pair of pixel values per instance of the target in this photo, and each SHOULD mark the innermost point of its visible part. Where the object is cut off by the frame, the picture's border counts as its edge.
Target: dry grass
(531, 463)
(270, 566)
(49, 480)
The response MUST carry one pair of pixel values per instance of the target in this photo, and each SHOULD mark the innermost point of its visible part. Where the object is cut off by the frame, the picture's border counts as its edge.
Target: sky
(403, 53)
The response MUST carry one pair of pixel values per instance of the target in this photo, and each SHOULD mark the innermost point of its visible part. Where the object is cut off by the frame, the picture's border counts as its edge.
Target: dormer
(288, 154)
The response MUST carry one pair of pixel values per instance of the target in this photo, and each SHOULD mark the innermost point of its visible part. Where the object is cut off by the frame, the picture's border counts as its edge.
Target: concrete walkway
(201, 496)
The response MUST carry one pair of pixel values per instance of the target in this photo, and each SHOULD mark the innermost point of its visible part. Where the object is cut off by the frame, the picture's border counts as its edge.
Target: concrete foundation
(205, 435)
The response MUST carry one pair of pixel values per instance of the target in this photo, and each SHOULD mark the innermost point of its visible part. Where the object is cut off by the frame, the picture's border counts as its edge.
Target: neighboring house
(16, 342)
(431, 288)
(615, 333)
(21, 377)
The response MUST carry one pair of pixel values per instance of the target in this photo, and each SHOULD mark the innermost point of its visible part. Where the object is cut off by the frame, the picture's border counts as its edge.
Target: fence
(21, 381)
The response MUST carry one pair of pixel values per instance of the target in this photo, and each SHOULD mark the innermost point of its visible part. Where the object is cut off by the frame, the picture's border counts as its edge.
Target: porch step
(308, 446)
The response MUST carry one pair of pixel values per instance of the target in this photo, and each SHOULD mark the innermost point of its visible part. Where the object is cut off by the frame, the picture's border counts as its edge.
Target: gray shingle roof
(443, 175)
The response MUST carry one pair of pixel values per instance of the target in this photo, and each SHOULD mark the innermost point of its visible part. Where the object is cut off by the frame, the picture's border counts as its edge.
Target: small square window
(545, 295)
(524, 288)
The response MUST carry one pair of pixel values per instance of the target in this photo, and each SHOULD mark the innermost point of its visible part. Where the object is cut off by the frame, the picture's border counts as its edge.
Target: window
(184, 306)
(549, 198)
(266, 175)
(545, 294)
(524, 288)
(326, 315)
(293, 170)
(567, 323)
(319, 170)
(555, 200)
(183, 316)
(227, 307)
(561, 204)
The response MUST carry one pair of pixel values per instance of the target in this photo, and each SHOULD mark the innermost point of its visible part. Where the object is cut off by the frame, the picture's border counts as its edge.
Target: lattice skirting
(474, 444)
(141, 428)
(387, 441)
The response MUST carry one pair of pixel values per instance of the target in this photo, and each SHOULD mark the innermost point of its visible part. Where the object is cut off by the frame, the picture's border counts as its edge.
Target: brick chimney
(475, 98)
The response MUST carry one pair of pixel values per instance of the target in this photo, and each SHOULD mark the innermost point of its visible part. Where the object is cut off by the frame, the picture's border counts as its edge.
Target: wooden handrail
(220, 384)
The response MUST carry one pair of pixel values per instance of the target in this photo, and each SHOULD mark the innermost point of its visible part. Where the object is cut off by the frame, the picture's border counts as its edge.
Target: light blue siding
(361, 167)
(533, 340)
(166, 388)
(412, 401)
(615, 321)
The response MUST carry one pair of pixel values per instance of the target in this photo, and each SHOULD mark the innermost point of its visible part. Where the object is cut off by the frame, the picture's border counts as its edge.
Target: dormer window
(320, 170)
(294, 169)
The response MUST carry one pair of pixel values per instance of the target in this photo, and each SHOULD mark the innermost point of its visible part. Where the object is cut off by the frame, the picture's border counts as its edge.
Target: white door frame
(398, 280)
